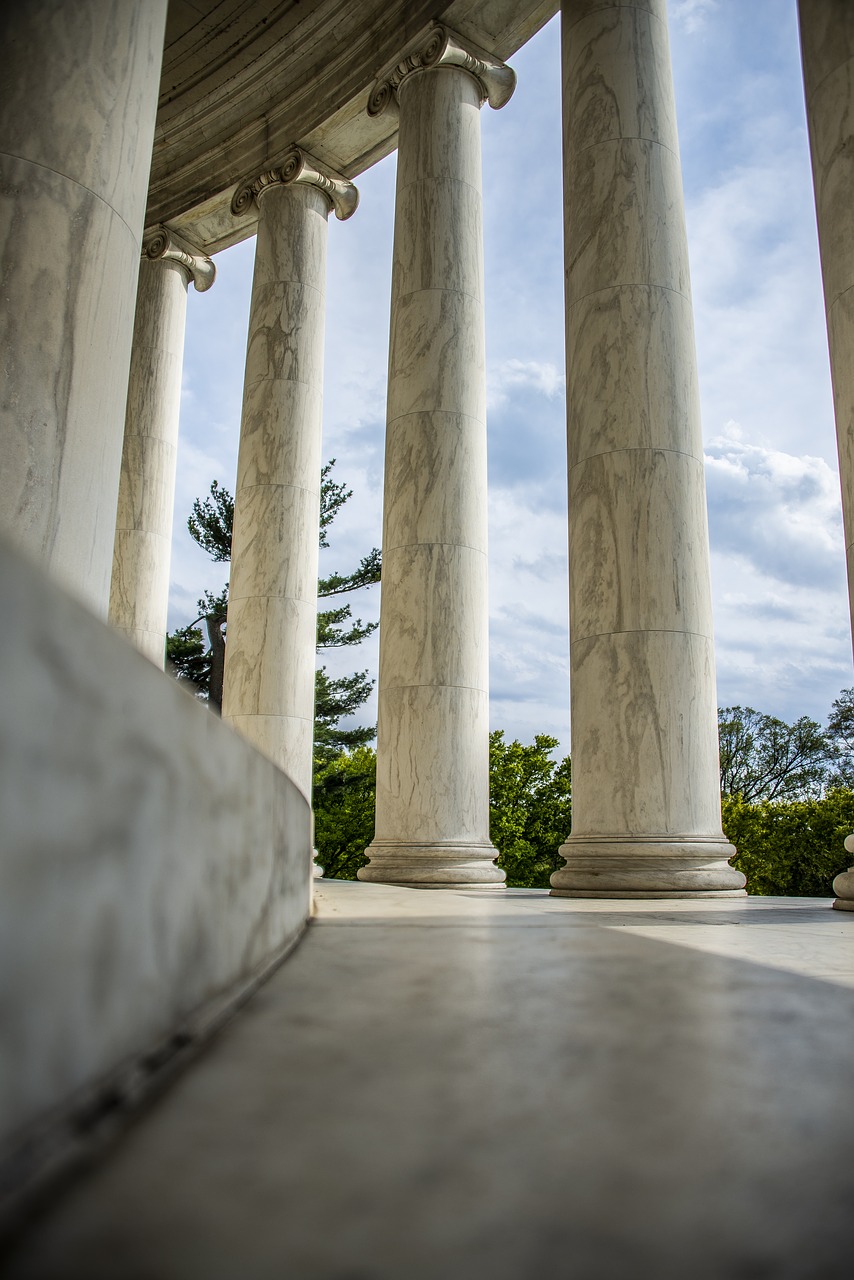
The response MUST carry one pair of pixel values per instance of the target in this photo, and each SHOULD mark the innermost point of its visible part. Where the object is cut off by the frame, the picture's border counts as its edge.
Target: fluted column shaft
(432, 820)
(268, 690)
(646, 815)
(827, 47)
(77, 117)
(139, 590)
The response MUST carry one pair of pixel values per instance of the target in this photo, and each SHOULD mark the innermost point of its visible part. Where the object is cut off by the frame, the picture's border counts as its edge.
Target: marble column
(827, 48)
(139, 591)
(646, 818)
(432, 820)
(268, 691)
(77, 111)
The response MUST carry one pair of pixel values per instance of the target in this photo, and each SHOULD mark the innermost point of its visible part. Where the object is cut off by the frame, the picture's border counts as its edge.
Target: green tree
(763, 758)
(790, 848)
(211, 525)
(333, 700)
(530, 807)
(840, 733)
(344, 801)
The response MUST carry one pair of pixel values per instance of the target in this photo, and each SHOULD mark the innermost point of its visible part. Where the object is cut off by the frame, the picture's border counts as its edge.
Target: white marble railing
(152, 866)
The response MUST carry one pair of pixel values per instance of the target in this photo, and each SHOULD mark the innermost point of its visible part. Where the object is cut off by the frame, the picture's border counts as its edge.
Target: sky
(782, 629)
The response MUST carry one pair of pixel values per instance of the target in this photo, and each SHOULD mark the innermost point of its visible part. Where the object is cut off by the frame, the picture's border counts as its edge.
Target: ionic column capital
(441, 47)
(299, 167)
(162, 245)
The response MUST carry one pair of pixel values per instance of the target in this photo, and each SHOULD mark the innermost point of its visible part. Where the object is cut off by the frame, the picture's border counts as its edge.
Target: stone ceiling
(243, 80)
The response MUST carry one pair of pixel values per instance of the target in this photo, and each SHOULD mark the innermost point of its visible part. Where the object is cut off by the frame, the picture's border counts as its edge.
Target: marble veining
(646, 802)
(436, 355)
(436, 464)
(99, 76)
(633, 373)
(139, 588)
(439, 132)
(277, 453)
(616, 78)
(124, 906)
(268, 692)
(655, 719)
(830, 129)
(432, 740)
(651, 556)
(263, 531)
(74, 164)
(827, 44)
(625, 218)
(428, 257)
(436, 593)
(284, 739)
(840, 327)
(62, 402)
(424, 796)
(286, 343)
(574, 11)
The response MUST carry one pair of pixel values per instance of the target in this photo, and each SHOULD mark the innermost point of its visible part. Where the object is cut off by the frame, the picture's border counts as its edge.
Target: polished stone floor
(506, 1085)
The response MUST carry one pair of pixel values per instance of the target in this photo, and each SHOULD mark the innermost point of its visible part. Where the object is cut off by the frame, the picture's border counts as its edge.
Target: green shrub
(530, 808)
(791, 848)
(344, 810)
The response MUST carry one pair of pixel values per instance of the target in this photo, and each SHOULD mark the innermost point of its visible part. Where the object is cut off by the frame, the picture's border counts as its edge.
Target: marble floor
(509, 1085)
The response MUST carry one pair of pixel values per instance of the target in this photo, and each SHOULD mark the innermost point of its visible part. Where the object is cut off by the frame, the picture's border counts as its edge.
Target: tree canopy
(211, 525)
(763, 758)
(840, 732)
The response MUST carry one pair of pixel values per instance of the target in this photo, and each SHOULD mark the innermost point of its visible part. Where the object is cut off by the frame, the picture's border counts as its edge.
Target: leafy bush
(791, 848)
(344, 810)
(530, 808)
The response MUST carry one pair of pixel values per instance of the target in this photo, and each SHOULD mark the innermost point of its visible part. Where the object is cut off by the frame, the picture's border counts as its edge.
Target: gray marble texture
(150, 859)
(76, 129)
(634, 373)
(268, 692)
(646, 805)
(139, 588)
(545, 1089)
(827, 45)
(423, 445)
(412, 774)
(432, 824)
(648, 566)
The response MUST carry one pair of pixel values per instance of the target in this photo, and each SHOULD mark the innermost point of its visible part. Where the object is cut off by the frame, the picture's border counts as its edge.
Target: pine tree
(210, 525)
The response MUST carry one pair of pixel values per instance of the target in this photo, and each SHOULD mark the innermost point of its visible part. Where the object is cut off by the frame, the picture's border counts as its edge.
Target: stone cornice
(299, 167)
(162, 245)
(441, 47)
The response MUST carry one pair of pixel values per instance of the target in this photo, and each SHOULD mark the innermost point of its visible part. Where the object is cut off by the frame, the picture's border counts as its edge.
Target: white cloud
(538, 376)
(527, 432)
(692, 15)
(778, 571)
(779, 512)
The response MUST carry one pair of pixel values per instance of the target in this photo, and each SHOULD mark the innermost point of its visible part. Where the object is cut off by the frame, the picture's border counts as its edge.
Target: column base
(433, 866)
(655, 868)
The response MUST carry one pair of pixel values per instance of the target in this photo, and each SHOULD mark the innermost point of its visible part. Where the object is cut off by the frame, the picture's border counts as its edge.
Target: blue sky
(781, 610)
